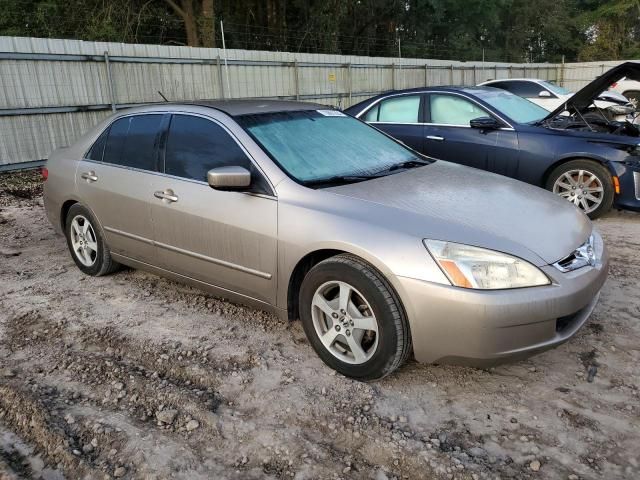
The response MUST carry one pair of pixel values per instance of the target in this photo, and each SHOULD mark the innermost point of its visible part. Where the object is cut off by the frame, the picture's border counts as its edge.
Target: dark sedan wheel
(86, 242)
(353, 318)
(586, 184)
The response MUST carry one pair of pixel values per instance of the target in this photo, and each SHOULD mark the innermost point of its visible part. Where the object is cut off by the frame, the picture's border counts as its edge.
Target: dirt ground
(135, 376)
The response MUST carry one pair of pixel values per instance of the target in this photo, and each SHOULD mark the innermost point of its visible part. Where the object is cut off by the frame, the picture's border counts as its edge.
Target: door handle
(90, 176)
(166, 195)
(435, 137)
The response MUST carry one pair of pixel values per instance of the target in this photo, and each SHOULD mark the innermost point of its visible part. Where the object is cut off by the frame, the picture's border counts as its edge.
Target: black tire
(102, 264)
(595, 168)
(393, 337)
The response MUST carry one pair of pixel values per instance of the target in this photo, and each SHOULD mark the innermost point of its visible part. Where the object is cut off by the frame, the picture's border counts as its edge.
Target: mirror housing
(544, 94)
(485, 123)
(229, 178)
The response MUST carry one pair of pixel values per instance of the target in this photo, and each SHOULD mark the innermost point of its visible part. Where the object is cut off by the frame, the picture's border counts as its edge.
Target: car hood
(584, 97)
(446, 201)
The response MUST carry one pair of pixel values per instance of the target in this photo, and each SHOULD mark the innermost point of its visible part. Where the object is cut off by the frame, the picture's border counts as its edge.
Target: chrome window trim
(423, 92)
(161, 174)
(182, 112)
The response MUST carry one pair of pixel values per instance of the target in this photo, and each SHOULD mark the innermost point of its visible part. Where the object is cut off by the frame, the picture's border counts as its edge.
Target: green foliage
(497, 30)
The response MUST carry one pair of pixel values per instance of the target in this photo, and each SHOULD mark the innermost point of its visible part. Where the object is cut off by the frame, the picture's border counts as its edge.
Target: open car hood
(584, 97)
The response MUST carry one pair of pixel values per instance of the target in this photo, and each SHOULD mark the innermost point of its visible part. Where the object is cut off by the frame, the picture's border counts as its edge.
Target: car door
(223, 238)
(115, 182)
(401, 117)
(449, 136)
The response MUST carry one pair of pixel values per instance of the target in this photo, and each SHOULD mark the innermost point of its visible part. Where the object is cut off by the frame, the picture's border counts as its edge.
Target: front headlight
(474, 267)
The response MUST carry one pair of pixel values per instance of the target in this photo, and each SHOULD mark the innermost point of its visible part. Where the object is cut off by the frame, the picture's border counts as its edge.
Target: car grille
(581, 257)
(636, 182)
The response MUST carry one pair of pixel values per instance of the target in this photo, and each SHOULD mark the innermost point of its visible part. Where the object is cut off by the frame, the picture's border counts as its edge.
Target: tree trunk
(208, 24)
(186, 12)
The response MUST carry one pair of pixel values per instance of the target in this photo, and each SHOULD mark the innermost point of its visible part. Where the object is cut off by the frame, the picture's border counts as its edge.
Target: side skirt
(219, 292)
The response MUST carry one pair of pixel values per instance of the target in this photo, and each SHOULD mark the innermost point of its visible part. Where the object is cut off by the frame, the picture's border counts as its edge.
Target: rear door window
(400, 109)
(97, 150)
(133, 142)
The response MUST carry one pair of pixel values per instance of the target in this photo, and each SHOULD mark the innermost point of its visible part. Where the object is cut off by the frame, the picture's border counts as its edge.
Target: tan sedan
(304, 211)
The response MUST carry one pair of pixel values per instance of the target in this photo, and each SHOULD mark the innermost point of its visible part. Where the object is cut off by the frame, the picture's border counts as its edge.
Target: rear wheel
(86, 242)
(353, 318)
(586, 184)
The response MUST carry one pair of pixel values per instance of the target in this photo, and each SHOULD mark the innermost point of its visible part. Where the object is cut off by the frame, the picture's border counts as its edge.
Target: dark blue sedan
(591, 162)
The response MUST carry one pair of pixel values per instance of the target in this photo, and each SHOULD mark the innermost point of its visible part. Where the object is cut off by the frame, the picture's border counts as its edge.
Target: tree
(612, 30)
(198, 18)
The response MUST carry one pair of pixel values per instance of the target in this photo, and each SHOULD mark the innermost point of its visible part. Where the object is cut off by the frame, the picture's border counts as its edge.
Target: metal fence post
(221, 81)
(393, 76)
(426, 75)
(350, 82)
(112, 93)
(562, 72)
(296, 78)
(510, 71)
(495, 67)
(475, 74)
(451, 75)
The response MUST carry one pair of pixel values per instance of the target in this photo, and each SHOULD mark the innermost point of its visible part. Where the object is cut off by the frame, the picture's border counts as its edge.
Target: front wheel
(353, 318)
(586, 184)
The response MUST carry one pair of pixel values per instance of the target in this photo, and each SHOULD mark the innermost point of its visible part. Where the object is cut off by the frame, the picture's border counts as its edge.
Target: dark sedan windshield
(316, 145)
(516, 108)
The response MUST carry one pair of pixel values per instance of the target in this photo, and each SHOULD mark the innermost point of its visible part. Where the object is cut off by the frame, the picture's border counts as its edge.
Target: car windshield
(316, 145)
(557, 89)
(517, 108)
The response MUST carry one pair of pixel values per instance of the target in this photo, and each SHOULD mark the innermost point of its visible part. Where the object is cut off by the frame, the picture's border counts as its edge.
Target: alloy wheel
(83, 241)
(581, 187)
(344, 322)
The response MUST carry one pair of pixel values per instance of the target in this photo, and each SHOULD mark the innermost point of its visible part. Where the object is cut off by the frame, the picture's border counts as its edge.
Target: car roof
(471, 90)
(239, 107)
(535, 80)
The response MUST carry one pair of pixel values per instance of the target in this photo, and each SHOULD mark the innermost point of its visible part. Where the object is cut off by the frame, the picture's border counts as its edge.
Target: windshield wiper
(339, 179)
(413, 163)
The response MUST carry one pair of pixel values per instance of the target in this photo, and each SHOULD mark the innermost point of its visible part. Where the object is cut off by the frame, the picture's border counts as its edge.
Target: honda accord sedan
(302, 210)
(577, 151)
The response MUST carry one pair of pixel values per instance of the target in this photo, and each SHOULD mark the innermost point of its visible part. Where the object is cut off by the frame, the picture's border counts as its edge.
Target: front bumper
(483, 328)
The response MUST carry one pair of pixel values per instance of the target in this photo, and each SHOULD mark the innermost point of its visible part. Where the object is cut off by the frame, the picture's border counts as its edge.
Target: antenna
(163, 97)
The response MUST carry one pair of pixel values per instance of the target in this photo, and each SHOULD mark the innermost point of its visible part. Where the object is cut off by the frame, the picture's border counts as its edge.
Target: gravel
(134, 376)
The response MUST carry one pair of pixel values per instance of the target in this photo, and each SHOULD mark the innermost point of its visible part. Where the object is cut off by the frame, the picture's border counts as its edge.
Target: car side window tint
(115, 141)
(453, 110)
(500, 85)
(400, 109)
(525, 89)
(132, 142)
(372, 114)
(97, 150)
(195, 145)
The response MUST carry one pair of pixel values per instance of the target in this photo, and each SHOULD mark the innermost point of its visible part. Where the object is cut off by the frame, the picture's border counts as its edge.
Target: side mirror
(229, 178)
(485, 123)
(544, 94)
